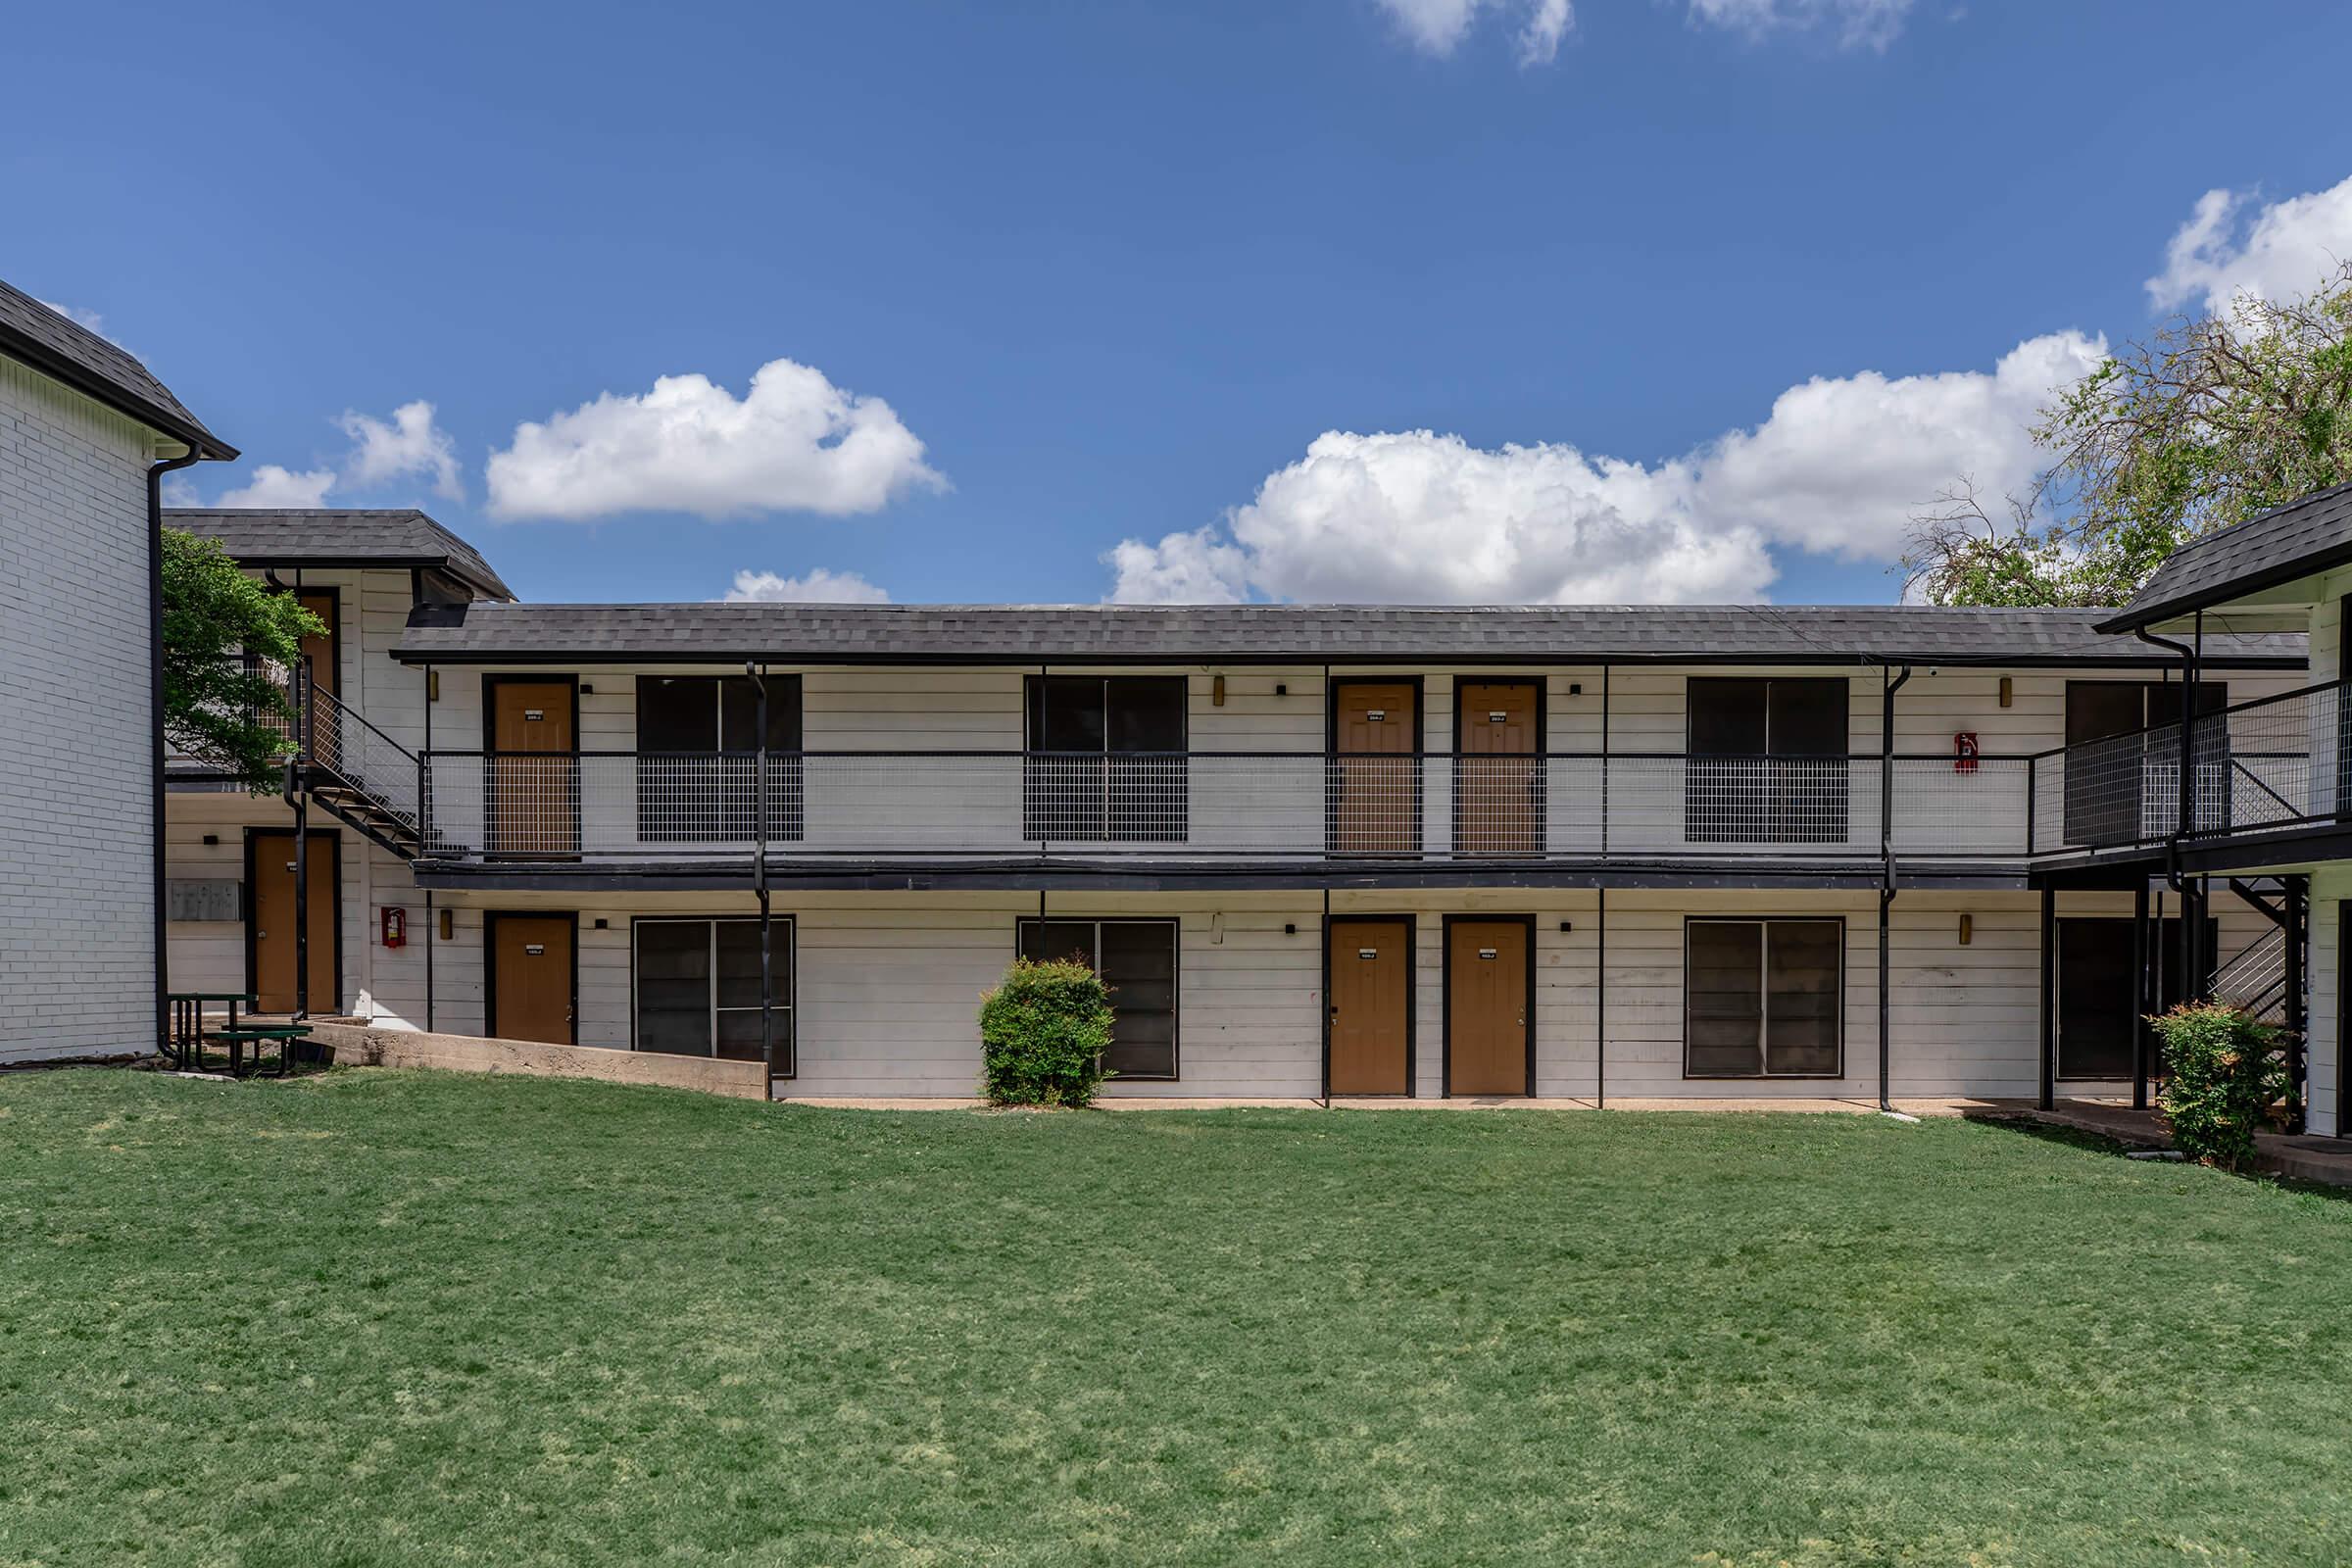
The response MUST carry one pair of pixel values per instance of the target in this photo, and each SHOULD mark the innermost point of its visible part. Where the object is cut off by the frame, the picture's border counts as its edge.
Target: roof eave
(58, 367)
(2135, 617)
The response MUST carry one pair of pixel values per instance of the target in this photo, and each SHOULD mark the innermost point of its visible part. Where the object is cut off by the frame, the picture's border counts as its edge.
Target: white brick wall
(77, 900)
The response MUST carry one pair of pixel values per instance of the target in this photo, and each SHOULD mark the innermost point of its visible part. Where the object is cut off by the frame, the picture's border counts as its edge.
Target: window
(697, 768)
(1106, 758)
(1767, 761)
(1763, 998)
(1136, 960)
(697, 988)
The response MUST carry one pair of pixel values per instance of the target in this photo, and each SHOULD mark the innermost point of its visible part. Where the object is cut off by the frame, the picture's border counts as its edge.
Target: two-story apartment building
(1600, 853)
(86, 434)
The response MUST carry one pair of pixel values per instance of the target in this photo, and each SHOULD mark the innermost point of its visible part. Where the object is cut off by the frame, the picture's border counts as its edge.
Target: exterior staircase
(358, 774)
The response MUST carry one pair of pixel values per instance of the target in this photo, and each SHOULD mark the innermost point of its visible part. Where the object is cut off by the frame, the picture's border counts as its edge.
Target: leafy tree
(217, 706)
(2215, 418)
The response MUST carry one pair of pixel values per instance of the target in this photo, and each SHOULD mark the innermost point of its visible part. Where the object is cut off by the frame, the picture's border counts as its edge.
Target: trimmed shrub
(1042, 1033)
(2226, 1074)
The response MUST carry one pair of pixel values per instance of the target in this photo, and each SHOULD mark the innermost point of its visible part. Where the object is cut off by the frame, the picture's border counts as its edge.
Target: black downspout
(767, 974)
(155, 715)
(1887, 689)
(1604, 762)
(2190, 914)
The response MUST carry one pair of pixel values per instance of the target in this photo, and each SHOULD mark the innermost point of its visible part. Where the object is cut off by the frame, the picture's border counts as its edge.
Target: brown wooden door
(1487, 1005)
(531, 977)
(1371, 1007)
(1498, 782)
(270, 919)
(534, 798)
(1375, 777)
(319, 653)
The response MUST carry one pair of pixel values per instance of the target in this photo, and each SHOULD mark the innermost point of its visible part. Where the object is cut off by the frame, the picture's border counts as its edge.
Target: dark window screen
(693, 733)
(1137, 960)
(1762, 998)
(697, 988)
(1766, 761)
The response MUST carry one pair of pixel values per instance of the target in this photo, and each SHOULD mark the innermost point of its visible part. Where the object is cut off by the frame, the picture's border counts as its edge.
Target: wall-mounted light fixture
(587, 690)
(2008, 691)
(432, 685)
(1290, 929)
(449, 924)
(211, 838)
(1281, 689)
(1217, 692)
(1967, 929)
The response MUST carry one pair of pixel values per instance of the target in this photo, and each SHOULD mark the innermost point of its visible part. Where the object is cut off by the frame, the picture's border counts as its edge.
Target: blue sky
(1692, 309)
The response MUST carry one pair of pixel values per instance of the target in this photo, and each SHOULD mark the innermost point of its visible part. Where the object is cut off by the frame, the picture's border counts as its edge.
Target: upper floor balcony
(1373, 794)
(1283, 807)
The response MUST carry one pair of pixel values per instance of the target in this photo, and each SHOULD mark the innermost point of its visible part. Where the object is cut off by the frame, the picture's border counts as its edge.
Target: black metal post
(2048, 1011)
(1601, 1001)
(425, 816)
(1327, 1003)
(1887, 691)
(767, 974)
(298, 785)
(2296, 897)
(2140, 994)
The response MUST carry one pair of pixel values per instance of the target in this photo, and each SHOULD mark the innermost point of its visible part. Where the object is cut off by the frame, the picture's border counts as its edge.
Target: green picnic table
(188, 1021)
(257, 1035)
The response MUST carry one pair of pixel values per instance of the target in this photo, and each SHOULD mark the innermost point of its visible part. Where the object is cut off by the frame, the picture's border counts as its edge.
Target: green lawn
(401, 1318)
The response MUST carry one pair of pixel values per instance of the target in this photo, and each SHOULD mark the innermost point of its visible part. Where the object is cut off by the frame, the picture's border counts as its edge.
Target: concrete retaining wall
(359, 1045)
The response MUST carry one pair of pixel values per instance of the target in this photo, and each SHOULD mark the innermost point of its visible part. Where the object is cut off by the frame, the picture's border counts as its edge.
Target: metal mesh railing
(1259, 804)
(2270, 762)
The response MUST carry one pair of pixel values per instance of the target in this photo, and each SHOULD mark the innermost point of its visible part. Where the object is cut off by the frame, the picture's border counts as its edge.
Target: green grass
(389, 1318)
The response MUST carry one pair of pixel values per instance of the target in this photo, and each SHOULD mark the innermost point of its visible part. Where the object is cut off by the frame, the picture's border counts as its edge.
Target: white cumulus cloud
(1437, 26)
(1853, 23)
(1842, 462)
(409, 443)
(2231, 246)
(276, 486)
(1419, 517)
(795, 442)
(820, 585)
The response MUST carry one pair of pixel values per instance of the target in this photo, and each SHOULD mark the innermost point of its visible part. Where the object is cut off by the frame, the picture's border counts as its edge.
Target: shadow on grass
(2096, 1143)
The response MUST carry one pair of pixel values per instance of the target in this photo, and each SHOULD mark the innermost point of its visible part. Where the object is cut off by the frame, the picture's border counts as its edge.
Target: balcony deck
(2258, 771)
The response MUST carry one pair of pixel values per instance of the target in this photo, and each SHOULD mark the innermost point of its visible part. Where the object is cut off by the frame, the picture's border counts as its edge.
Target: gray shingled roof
(1015, 634)
(323, 537)
(72, 353)
(2296, 540)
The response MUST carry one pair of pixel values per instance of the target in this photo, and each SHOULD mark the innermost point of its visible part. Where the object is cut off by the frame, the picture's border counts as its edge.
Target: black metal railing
(1290, 805)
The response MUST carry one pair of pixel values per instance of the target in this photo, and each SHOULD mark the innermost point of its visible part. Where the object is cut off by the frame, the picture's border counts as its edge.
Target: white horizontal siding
(889, 985)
